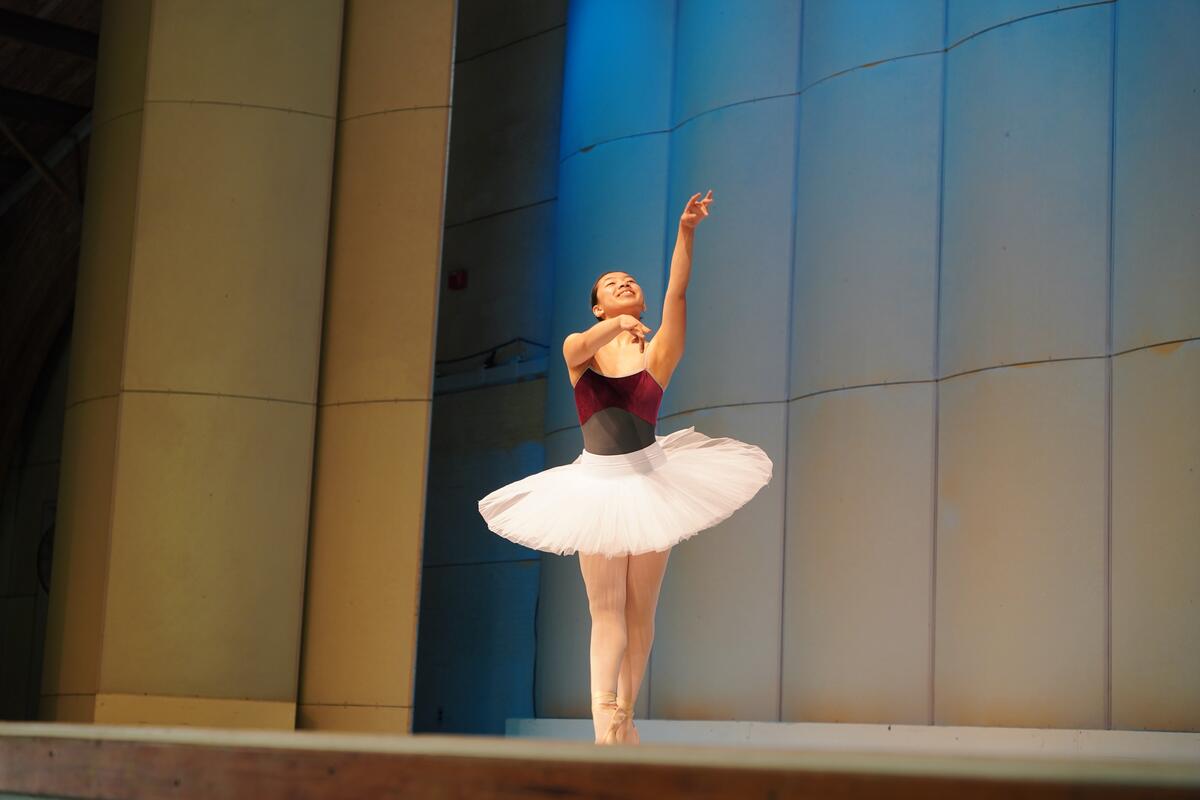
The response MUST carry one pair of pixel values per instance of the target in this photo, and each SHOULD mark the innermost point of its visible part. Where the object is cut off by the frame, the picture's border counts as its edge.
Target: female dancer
(631, 494)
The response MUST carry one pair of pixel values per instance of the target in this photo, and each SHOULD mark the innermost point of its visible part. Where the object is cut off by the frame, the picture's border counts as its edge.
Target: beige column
(182, 523)
(360, 620)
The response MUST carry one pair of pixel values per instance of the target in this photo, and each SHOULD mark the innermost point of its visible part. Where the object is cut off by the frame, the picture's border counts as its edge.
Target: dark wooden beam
(44, 33)
(47, 174)
(11, 169)
(36, 108)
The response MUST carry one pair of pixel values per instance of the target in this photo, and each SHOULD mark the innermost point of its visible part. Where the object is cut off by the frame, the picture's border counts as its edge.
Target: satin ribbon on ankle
(628, 708)
(618, 716)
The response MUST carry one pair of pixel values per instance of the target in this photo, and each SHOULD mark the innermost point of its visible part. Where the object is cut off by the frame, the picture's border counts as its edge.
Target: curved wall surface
(951, 285)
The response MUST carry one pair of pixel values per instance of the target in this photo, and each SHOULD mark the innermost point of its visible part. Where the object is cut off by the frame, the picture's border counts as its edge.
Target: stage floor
(86, 761)
(1182, 747)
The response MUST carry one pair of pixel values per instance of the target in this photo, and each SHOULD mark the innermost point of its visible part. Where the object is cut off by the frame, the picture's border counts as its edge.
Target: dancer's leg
(645, 576)
(605, 579)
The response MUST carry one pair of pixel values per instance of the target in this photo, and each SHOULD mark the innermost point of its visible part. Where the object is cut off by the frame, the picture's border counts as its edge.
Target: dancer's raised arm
(673, 332)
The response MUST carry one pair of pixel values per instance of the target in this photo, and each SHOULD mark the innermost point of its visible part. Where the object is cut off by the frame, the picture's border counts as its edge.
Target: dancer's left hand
(695, 210)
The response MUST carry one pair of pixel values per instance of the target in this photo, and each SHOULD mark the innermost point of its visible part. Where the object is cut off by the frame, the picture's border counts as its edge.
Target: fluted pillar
(361, 601)
(182, 522)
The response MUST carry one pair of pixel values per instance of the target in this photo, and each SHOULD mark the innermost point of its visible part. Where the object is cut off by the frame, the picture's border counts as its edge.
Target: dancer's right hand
(630, 323)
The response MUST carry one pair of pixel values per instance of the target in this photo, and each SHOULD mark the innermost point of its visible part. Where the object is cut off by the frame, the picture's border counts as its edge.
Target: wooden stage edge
(117, 761)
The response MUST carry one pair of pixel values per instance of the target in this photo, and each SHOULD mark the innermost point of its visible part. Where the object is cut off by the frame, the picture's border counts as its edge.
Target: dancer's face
(618, 293)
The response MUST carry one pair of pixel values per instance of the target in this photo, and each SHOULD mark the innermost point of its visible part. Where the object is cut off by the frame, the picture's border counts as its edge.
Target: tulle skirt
(631, 503)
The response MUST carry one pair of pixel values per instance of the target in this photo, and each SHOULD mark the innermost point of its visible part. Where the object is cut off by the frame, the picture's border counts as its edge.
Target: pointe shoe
(629, 732)
(608, 700)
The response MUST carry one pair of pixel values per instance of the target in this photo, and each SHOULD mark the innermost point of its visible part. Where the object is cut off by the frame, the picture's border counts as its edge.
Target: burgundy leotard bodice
(617, 414)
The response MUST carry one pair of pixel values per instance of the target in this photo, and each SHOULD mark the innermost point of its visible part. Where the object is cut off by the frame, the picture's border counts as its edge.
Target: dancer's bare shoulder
(574, 371)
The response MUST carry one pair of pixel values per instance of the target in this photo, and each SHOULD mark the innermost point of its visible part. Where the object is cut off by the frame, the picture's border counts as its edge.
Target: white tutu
(630, 503)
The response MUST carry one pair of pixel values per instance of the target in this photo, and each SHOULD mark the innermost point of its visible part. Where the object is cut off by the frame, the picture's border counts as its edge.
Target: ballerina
(631, 494)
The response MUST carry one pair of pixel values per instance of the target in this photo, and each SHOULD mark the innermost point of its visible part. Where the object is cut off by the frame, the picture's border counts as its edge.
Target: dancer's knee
(640, 607)
(608, 625)
(608, 608)
(640, 627)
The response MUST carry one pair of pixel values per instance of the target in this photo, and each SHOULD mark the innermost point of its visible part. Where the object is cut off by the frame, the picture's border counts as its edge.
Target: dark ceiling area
(48, 51)
(47, 79)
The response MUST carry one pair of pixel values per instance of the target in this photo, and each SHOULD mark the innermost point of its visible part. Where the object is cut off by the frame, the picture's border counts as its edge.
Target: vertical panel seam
(302, 643)
(937, 383)
(787, 387)
(122, 370)
(1108, 382)
(668, 247)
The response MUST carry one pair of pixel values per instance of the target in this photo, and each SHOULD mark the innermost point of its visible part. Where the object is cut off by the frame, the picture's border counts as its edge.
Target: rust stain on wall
(1166, 349)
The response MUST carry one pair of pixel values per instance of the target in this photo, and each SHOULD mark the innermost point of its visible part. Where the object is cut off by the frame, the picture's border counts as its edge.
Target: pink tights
(622, 596)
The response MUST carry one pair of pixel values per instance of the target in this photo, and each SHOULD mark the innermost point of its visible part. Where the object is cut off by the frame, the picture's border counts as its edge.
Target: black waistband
(611, 431)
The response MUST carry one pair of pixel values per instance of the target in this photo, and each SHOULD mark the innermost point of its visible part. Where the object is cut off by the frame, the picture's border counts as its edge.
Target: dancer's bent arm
(578, 348)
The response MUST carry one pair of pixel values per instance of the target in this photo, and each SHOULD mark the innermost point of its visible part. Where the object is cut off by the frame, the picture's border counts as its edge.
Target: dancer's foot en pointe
(629, 732)
(606, 702)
